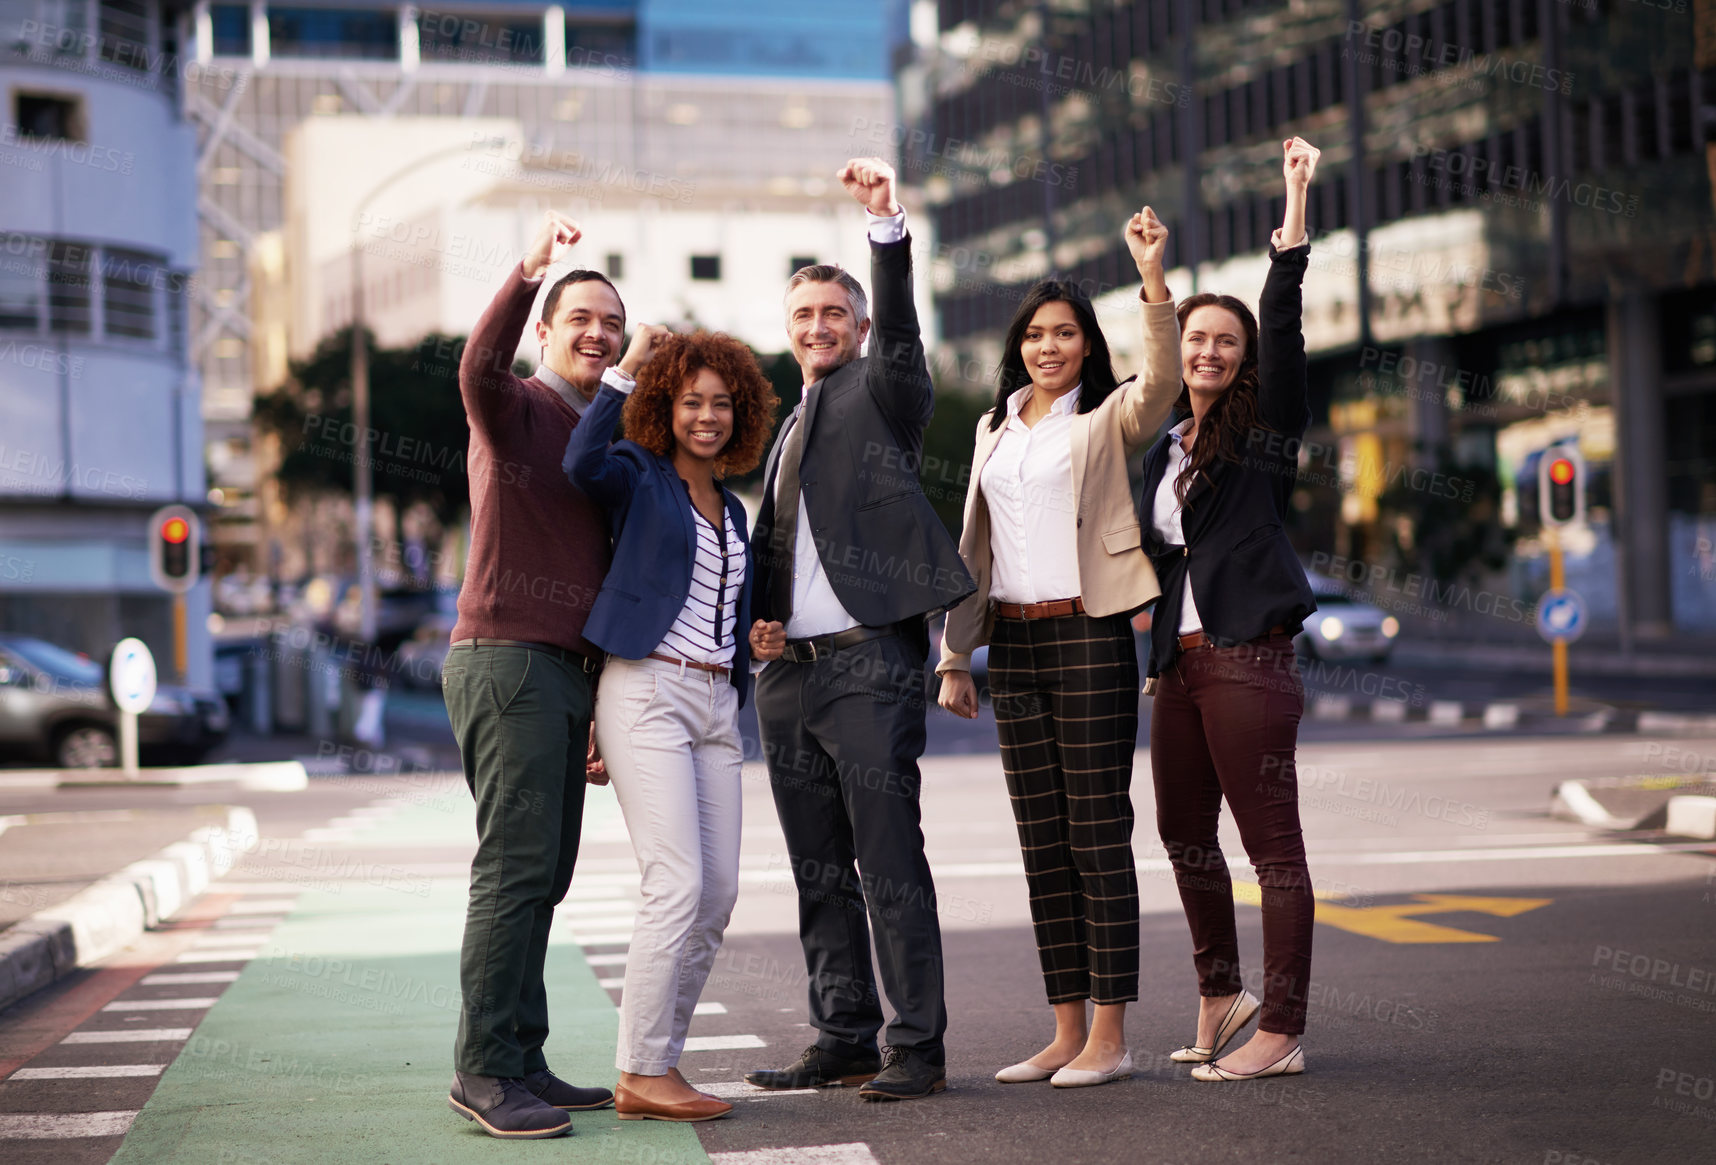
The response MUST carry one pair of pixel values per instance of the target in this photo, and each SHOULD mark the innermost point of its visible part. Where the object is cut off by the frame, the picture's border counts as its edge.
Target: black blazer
(887, 554)
(1245, 575)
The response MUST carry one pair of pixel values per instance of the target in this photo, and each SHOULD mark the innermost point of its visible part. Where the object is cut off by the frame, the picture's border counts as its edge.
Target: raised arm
(486, 382)
(898, 373)
(1150, 397)
(609, 475)
(1282, 376)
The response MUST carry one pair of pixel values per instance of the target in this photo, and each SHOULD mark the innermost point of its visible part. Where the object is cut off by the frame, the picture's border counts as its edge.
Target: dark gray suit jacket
(887, 554)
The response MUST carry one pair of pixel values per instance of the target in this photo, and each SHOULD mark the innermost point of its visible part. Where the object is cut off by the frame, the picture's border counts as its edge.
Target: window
(125, 34)
(799, 261)
(128, 287)
(328, 32)
(616, 266)
(478, 37)
(230, 24)
(20, 282)
(47, 117)
(69, 288)
(601, 46)
(706, 267)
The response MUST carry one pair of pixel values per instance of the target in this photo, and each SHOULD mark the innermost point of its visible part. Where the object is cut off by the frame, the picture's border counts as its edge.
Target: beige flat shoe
(1291, 1064)
(1239, 1013)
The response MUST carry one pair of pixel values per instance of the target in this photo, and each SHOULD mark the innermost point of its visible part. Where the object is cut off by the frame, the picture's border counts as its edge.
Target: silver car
(54, 703)
(1344, 626)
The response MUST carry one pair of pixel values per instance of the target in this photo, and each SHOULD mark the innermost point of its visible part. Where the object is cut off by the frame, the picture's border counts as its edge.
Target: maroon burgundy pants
(1225, 723)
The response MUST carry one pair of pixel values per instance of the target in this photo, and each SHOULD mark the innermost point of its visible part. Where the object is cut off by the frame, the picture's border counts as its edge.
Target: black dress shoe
(905, 1076)
(817, 1068)
(505, 1108)
(550, 1089)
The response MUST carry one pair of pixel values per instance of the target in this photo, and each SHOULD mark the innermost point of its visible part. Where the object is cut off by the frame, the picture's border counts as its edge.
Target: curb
(1573, 802)
(1496, 716)
(1692, 817)
(267, 777)
(110, 914)
(1644, 803)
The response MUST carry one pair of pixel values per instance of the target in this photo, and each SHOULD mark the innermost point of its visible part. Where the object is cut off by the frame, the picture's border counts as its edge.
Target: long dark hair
(1233, 417)
(1098, 371)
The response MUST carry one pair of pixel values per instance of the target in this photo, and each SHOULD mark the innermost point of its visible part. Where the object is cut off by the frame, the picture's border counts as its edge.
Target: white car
(1345, 627)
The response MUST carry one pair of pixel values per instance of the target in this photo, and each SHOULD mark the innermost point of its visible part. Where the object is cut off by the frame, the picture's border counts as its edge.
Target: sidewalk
(332, 1046)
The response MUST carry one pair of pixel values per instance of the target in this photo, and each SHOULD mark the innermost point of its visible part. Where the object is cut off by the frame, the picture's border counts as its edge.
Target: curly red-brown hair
(648, 414)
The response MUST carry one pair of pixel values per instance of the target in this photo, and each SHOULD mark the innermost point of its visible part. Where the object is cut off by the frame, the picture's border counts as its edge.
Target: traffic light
(1561, 486)
(175, 548)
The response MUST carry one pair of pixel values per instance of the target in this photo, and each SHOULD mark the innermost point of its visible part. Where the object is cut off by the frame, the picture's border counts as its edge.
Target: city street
(1489, 985)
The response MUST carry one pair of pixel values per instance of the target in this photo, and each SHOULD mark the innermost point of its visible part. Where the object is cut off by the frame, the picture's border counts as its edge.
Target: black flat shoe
(817, 1068)
(550, 1089)
(505, 1108)
(905, 1076)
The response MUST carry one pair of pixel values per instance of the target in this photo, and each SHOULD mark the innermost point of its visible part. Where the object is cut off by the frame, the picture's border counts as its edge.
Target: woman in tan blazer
(1052, 537)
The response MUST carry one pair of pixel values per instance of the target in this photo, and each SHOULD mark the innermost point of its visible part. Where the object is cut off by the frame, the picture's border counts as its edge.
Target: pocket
(1256, 536)
(891, 499)
(509, 672)
(1124, 539)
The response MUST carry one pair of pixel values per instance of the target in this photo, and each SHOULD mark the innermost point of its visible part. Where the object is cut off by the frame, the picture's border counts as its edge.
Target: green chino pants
(522, 719)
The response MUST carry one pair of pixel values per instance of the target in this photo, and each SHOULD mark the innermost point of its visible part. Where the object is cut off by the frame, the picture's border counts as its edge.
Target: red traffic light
(175, 530)
(1561, 471)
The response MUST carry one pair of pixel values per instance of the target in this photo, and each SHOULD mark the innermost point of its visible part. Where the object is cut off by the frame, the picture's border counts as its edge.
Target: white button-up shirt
(816, 609)
(1027, 484)
(1165, 516)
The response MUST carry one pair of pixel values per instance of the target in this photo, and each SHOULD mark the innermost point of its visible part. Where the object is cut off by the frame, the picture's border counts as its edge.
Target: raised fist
(1299, 162)
(871, 181)
(551, 243)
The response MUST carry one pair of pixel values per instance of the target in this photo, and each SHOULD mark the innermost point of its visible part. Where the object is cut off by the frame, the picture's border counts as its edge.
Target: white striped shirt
(704, 631)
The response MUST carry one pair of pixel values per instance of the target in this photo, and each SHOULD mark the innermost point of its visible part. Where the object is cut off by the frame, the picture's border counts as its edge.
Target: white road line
(232, 940)
(218, 956)
(187, 1004)
(722, 1043)
(146, 1035)
(1409, 858)
(243, 923)
(596, 940)
(613, 959)
(189, 977)
(263, 906)
(709, 1009)
(739, 1090)
(611, 984)
(41, 1127)
(98, 1072)
(856, 1153)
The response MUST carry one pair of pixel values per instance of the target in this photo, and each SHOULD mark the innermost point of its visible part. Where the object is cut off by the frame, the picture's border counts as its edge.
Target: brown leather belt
(723, 672)
(1053, 609)
(1197, 638)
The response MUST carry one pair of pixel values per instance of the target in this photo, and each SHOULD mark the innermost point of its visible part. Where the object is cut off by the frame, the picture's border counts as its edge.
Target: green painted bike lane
(335, 1043)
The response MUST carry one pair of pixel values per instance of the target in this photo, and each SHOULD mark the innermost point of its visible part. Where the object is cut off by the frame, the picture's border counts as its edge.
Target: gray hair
(833, 273)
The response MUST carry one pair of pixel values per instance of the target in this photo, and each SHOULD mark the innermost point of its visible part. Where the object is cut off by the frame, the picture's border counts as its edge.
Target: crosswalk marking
(234, 956)
(739, 1090)
(96, 1072)
(617, 959)
(187, 1004)
(231, 940)
(611, 984)
(56, 1127)
(171, 980)
(709, 1009)
(147, 1035)
(263, 906)
(856, 1153)
(722, 1043)
(597, 940)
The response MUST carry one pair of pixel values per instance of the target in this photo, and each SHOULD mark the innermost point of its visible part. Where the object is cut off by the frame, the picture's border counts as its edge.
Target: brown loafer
(632, 1107)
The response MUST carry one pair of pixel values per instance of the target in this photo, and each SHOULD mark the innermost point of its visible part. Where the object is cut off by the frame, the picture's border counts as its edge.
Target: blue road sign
(1561, 615)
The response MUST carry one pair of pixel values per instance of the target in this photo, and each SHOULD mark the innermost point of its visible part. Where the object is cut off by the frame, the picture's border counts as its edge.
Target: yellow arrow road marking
(1398, 923)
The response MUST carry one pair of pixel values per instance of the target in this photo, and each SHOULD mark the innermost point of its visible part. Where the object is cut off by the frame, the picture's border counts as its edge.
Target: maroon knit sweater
(539, 547)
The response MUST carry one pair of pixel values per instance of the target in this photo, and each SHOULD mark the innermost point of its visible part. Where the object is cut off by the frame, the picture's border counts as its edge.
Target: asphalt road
(1560, 1007)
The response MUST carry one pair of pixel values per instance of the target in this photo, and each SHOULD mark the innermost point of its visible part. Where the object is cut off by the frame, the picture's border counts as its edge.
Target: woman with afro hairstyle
(1228, 694)
(670, 615)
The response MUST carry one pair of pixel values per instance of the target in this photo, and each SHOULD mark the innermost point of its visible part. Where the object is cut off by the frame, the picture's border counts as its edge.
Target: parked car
(54, 704)
(1344, 626)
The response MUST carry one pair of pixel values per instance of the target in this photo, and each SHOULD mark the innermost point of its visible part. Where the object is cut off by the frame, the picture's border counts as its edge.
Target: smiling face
(1054, 347)
(824, 332)
(583, 335)
(702, 418)
(1212, 348)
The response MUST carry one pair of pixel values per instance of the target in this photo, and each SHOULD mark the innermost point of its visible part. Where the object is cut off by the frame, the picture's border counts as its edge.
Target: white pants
(670, 737)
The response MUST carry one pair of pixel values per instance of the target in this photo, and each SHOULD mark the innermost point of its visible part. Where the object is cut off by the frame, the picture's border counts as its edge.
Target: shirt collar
(1065, 405)
(562, 388)
(1180, 430)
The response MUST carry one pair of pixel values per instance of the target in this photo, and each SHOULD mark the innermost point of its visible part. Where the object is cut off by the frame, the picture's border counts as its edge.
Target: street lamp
(363, 482)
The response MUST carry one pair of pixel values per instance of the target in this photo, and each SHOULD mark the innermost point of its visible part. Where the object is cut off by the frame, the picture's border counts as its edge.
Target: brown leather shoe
(632, 1107)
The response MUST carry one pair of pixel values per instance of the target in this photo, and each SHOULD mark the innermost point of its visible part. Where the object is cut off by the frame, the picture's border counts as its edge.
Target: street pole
(1557, 580)
(181, 640)
(363, 484)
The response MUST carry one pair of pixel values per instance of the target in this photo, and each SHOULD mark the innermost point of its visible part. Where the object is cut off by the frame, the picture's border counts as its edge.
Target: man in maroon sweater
(519, 676)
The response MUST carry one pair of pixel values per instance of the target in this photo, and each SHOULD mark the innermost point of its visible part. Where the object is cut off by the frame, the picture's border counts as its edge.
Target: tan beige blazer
(1114, 572)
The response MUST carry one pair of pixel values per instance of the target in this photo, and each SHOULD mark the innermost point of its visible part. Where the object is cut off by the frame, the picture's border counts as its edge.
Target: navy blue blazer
(655, 540)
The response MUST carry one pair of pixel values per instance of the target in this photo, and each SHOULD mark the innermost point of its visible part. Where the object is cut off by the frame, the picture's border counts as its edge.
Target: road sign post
(1560, 503)
(131, 678)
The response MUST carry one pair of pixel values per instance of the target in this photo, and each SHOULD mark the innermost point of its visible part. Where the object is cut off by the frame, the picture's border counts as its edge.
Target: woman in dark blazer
(1228, 694)
(670, 616)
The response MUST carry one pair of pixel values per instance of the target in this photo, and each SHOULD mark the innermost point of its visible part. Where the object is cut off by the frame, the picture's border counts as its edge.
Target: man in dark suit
(851, 560)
